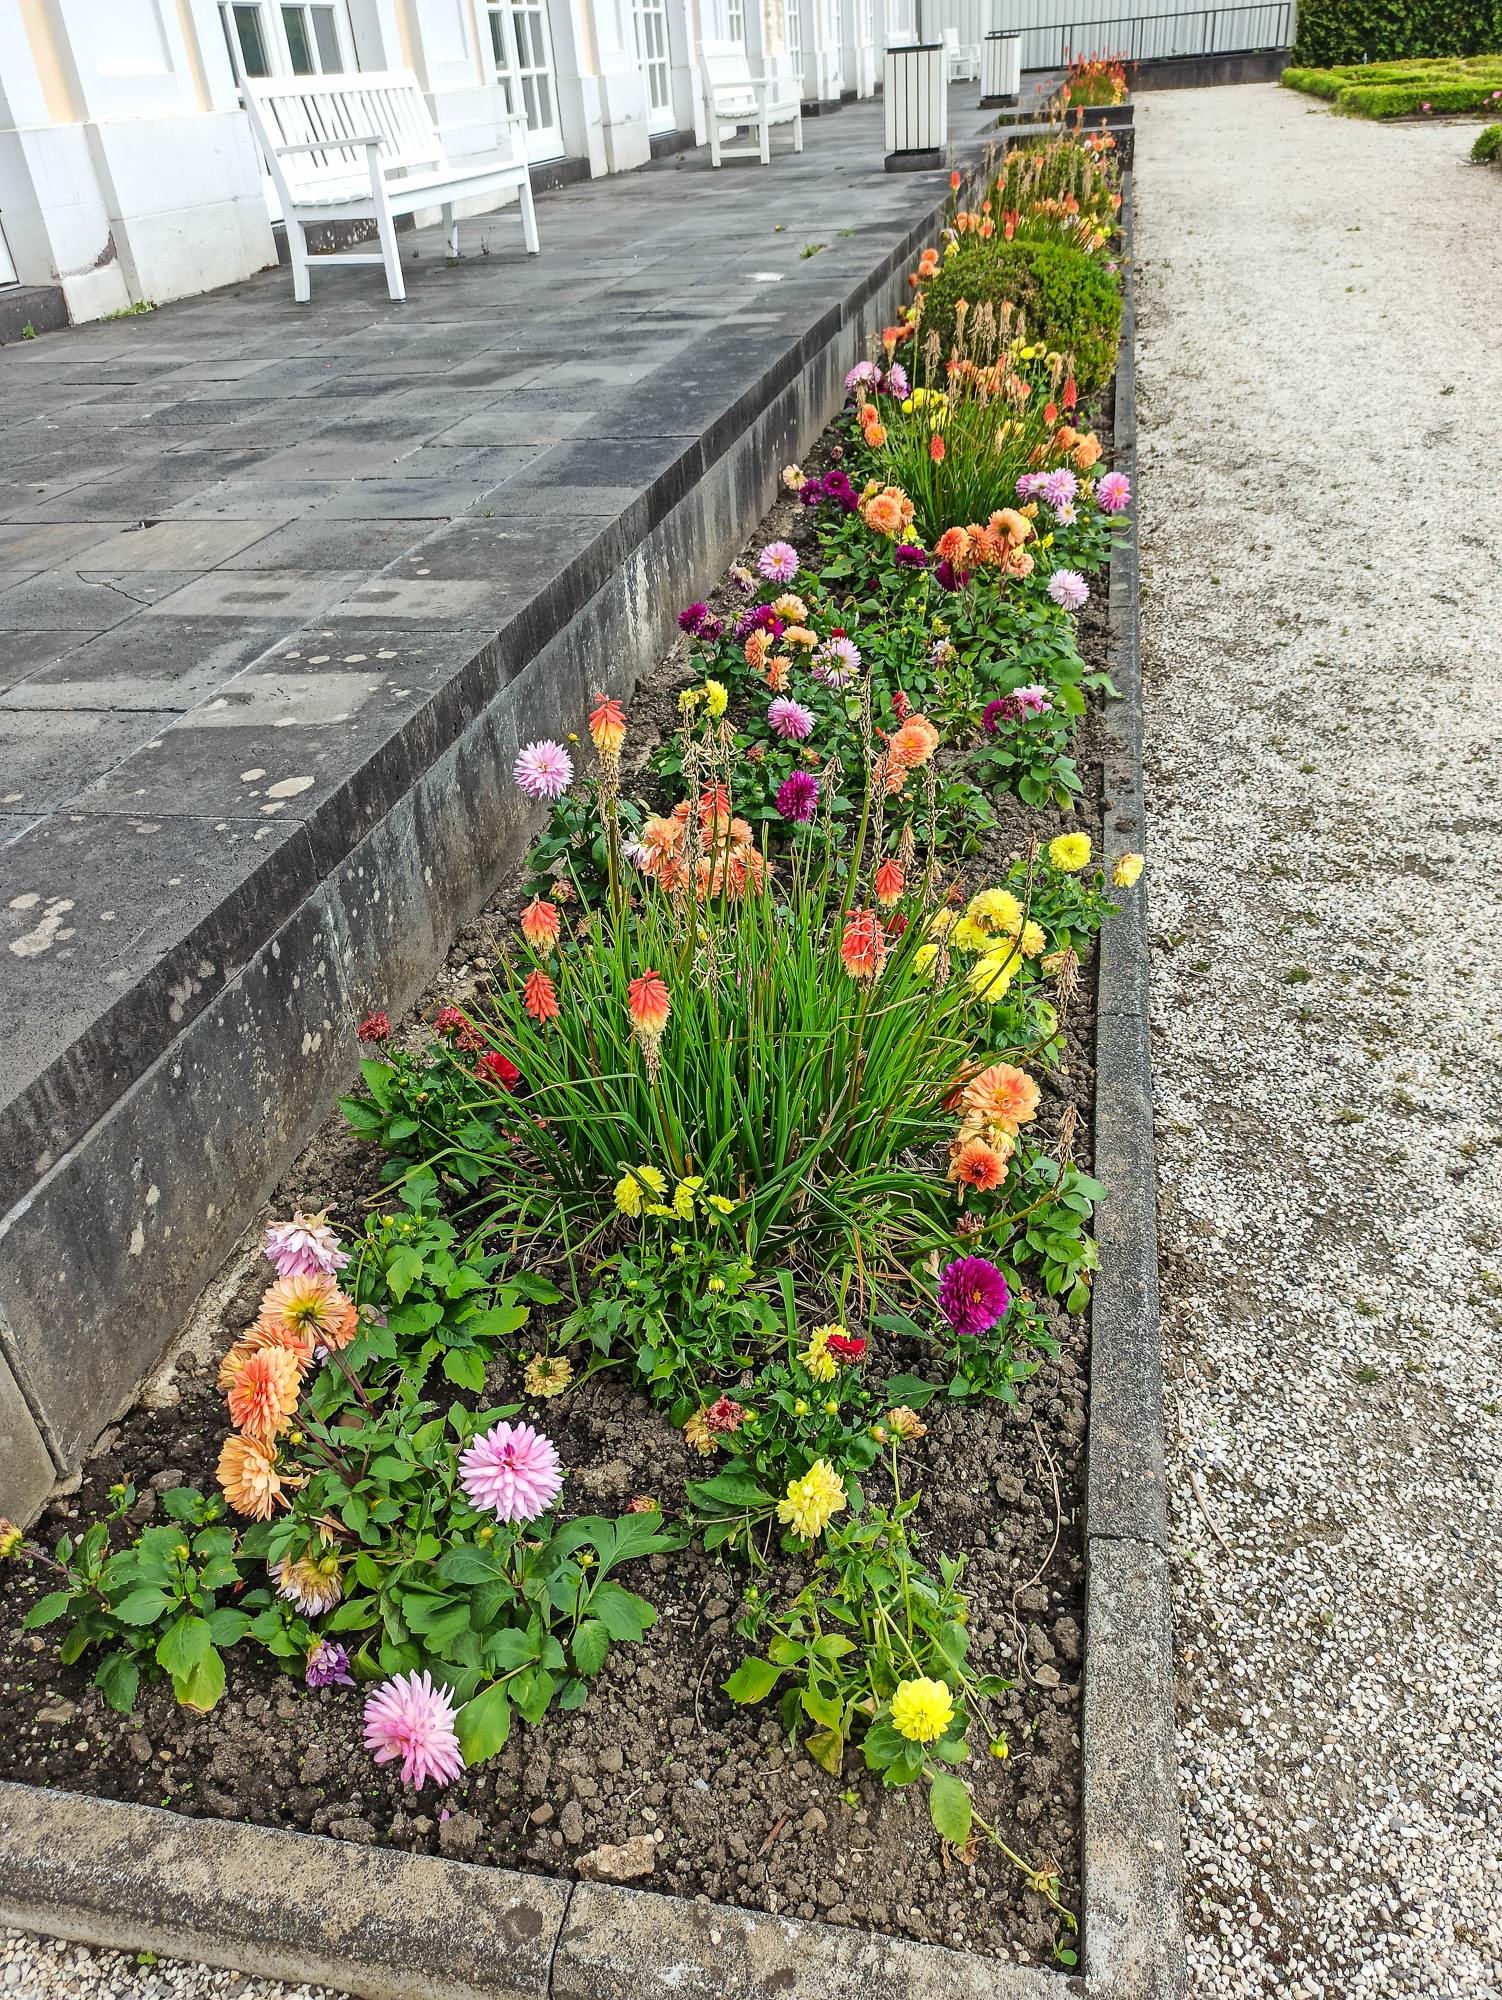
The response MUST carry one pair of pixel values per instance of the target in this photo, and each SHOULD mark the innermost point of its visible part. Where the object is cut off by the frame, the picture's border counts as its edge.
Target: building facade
(128, 171)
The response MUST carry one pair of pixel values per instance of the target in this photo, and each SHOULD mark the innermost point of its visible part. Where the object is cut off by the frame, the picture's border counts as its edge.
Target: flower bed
(682, 1458)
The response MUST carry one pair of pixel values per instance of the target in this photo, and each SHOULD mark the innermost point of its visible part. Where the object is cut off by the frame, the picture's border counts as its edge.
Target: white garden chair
(733, 97)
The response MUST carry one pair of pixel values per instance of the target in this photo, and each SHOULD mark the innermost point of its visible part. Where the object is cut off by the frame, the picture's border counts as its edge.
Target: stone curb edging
(1133, 1916)
(386, 1925)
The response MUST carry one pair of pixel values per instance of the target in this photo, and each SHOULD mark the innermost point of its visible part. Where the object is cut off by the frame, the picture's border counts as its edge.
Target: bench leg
(714, 138)
(450, 229)
(798, 133)
(529, 218)
(297, 251)
(765, 134)
(391, 256)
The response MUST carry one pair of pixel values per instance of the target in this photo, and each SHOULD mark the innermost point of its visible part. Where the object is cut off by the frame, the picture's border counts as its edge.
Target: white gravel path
(1321, 375)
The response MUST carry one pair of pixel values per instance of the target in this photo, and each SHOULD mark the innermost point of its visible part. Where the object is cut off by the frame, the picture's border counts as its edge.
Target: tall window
(522, 48)
(735, 20)
(792, 29)
(652, 53)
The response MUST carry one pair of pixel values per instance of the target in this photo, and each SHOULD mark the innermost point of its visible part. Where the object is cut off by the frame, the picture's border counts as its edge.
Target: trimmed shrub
(1402, 89)
(1070, 301)
(1488, 146)
(1354, 31)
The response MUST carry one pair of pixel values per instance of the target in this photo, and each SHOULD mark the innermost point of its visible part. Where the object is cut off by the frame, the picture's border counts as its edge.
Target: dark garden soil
(735, 1813)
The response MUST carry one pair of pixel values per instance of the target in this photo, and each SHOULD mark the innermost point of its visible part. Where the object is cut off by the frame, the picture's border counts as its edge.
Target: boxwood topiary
(1488, 144)
(1070, 300)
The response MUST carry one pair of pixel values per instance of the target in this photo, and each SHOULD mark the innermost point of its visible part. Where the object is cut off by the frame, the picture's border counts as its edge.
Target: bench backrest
(341, 110)
(726, 65)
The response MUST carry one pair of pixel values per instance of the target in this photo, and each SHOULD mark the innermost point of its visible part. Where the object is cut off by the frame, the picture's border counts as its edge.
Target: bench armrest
(328, 145)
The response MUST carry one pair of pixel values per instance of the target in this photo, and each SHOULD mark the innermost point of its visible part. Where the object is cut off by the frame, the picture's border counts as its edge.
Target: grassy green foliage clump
(1070, 301)
(1405, 89)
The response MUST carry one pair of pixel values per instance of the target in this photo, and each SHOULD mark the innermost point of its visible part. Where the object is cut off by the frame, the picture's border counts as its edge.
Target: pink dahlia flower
(790, 718)
(544, 770)
(1068, 589)
(1114, 493)
(305, 1247)
(1060, 487)
(973, 1295)
(512, 1472)
(409, 1718)
(778, 562)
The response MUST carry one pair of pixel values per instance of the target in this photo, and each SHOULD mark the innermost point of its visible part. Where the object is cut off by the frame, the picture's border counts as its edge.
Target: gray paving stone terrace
(262, 565)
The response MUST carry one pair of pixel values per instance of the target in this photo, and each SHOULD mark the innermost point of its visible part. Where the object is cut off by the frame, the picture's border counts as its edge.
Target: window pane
(298, 47)
(498, 41)
(327, 37)
(250, 32)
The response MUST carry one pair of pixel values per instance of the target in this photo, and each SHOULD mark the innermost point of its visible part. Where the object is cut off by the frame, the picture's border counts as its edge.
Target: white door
(656, 63)
(286, 38)
(792, 29)
(522, 47)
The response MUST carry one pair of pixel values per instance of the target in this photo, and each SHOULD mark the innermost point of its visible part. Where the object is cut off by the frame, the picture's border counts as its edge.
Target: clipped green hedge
(1397, 89)
(1488, 144)
(1354, 31)
(1071, 302)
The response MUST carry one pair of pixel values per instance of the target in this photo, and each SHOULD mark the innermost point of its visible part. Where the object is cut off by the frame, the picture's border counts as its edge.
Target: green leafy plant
(1071, 303)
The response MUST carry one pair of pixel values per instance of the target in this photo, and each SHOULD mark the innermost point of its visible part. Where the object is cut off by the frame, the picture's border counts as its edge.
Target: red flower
(890, 883)
(374, 1028)
(1071, 394)
(848, 1346)
(724, 1416)
(649, 1005)
(493, 1067)
(540, 998)
(902, 708)
(455, 1025)
(936, 449)
(863, 948)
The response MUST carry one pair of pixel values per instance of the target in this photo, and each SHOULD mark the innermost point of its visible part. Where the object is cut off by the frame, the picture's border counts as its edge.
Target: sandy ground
(1321, 375)
(1321, 378)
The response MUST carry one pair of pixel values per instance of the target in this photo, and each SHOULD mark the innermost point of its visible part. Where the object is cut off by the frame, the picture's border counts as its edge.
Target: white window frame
(656, 69)
(544, 141)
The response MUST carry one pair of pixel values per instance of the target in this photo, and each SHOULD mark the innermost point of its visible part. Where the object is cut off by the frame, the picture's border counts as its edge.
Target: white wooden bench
(363, 147)
(733, 98)
(962, 60)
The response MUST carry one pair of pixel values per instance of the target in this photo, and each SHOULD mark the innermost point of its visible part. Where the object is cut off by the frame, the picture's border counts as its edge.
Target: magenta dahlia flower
(897, 383)
(1114, 493)
(305, 1247)
(692, 616)
(864, 371)
(512, 1472)
(778, 562)
(973, 1295)
(1068, 589)
(790, 718)
(408, 1717)
(544, 770)
(798, 795)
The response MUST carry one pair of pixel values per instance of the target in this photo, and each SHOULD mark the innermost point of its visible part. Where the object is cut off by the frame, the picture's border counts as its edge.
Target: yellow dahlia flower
(922, 1710)
(995, 910)
(969, 936)
(1069, 852)
(716, 700)
(812, 1501)
(924, 960)
(992, 974)
(1127, 870)
(817, 1358)
(1031, 941)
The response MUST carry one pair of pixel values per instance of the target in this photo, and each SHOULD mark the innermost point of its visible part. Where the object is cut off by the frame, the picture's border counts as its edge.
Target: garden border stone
(386, 1925)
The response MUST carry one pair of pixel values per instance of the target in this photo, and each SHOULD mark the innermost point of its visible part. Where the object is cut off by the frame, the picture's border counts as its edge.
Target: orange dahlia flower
(978, 1165)
(247, 1473)
(953, 546)
(1007, 521)
(883, 515)
(914, 743)
(1002, 1095)
(313, 1307)
(540, 924)
(263, 1394)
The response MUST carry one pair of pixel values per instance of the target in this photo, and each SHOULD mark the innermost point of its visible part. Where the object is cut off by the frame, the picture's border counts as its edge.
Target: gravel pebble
(1321, 378)
(36, 1968)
